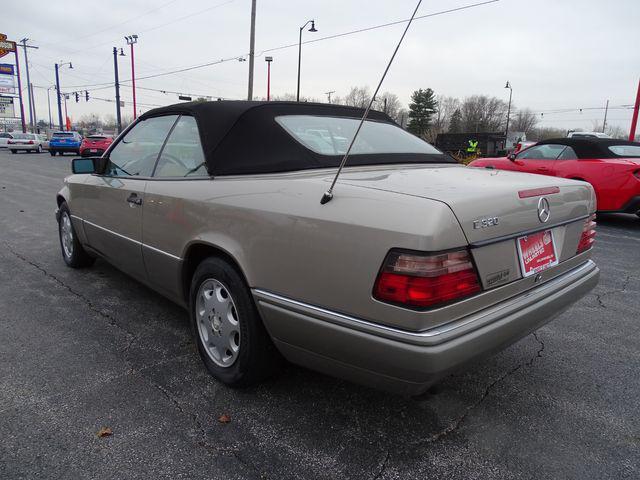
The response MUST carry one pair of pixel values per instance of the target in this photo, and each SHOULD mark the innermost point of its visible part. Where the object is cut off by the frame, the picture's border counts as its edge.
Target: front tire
(231, 338)
(72, 252)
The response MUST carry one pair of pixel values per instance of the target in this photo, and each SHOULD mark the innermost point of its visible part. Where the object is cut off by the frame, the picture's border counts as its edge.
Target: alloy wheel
(66, 234)
(218, 322)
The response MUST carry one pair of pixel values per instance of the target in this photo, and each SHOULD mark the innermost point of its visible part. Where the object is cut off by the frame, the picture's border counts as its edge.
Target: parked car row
(60, 143)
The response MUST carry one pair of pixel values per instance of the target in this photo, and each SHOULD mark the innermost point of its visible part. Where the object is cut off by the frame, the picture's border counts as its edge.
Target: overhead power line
(291, 45)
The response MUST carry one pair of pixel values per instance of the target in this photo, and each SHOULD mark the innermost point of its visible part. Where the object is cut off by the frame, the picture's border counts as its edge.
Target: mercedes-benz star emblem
(544, 211)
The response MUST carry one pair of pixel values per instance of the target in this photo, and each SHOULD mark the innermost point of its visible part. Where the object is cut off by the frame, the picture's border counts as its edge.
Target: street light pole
(312, 29)
(117, 85)
(634, 119)
(252, 43)
(58, 65)
(506, 133)
(131, 40)
(24, 127)
(268, 60)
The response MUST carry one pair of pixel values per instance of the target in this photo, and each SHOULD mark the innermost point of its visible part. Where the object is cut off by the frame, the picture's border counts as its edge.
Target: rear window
(96, 137)
(63, 134)
(331, 136)
(625, 150)
(23, 136)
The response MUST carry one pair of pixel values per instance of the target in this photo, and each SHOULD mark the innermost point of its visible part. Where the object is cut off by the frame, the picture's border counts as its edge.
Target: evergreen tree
(455, 124)
(422, 107)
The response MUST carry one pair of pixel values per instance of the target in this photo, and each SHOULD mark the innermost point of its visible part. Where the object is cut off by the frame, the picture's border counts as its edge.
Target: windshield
(331, 136)
(625, 150)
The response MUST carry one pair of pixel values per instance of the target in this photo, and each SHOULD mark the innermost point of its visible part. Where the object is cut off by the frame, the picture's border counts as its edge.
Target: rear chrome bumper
(409, 362)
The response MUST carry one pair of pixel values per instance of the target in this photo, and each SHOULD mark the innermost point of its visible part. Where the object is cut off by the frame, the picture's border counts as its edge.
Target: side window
(137, 152)
(568, 154)
(541, 152)
(182, 155)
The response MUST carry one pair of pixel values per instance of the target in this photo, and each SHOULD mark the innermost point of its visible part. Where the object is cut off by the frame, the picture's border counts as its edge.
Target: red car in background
(611, 166)
(95, 145)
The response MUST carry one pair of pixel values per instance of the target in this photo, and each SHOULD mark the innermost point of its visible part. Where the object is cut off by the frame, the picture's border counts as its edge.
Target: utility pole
(49, 106)
(24, 127)
(328, 94)
(117, 84)
(33, 106)
(131, 40)
(252, 44)
(29, 89)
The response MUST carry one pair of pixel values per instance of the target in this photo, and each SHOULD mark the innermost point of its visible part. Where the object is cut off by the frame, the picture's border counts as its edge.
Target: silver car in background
(27, 142)
(4, 138)
(417, 266)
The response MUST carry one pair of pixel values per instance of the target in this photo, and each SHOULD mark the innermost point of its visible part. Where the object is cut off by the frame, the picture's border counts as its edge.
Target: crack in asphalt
(452, 427)
(233, 450)
(625, 285)
(112, 320)
(383, 466)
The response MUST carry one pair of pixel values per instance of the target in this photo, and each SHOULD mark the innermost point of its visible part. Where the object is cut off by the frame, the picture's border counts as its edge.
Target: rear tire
(52, 153)
(231, 338)
(39, 150)
(14, 151)
(72, 252)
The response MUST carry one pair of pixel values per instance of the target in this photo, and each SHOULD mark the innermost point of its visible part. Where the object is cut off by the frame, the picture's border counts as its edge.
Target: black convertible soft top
(590, 147)
(240, 137)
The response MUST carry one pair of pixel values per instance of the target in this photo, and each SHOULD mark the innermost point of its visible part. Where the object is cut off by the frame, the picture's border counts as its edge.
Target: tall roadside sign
(7, 47)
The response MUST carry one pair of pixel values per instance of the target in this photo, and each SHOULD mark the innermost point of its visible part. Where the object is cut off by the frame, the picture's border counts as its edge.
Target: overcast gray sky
(566, 54)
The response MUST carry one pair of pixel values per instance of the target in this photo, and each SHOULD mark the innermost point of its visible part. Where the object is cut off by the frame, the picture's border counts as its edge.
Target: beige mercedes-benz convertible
(416, 267)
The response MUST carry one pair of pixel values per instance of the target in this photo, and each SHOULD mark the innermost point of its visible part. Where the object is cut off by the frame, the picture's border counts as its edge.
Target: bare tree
(388, 103)
(616, 131)
(538, 134)
(523, 121)
(357, 97)
(291, 97)
(481, 113)
(446, 107)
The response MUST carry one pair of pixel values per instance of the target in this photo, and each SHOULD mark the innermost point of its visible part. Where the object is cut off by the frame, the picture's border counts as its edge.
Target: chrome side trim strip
(493, 311)
(130, 239)
(112, 232)
(162, 252)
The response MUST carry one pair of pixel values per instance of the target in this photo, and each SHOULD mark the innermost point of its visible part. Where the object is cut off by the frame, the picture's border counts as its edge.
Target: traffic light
(77, 97)
(86, 95)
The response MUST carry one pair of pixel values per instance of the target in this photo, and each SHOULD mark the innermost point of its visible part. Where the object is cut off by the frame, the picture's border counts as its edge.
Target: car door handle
(134, 199)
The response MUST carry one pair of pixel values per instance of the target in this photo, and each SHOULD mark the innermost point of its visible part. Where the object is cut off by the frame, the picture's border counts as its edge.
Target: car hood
(474, 194)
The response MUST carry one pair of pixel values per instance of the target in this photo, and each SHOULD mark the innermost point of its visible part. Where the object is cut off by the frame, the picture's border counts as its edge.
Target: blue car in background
(62, 142)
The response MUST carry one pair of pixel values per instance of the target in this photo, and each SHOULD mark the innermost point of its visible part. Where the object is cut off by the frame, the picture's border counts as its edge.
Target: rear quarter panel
(287, 243)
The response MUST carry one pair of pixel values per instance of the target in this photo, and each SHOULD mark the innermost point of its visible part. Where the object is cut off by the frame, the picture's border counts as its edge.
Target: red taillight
(10, 142)
(30, 142)
(588, 234)
(426, 280)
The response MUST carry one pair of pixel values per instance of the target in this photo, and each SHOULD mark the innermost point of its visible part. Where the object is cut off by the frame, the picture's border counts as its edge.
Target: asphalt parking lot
(82, 350)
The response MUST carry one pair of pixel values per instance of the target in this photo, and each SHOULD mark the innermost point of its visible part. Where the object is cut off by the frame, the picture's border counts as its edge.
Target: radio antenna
(328, 195)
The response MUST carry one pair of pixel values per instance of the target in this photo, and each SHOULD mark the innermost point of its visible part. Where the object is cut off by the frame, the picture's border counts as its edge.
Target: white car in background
(28, 142)
(4, 138)
(587, 135)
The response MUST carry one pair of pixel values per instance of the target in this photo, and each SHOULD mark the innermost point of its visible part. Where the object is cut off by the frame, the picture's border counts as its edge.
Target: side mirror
(512, 156)
(88, 165)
